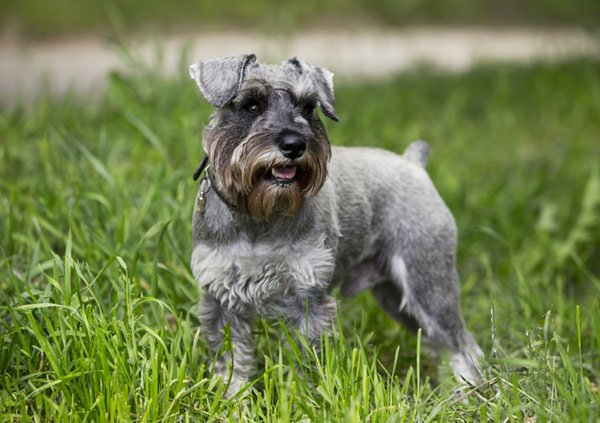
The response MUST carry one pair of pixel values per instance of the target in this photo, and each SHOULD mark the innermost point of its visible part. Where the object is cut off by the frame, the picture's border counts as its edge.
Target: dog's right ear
(220, 79)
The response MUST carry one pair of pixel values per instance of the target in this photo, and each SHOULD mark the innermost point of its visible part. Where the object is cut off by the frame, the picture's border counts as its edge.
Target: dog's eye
(307, 110)
(253, 108)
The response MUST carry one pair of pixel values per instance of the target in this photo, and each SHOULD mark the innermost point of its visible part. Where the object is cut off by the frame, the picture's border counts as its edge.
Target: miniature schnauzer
(282, 217)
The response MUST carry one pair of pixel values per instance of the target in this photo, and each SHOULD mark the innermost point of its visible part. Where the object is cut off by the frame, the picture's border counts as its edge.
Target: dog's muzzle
(284, 174)
(292, 146)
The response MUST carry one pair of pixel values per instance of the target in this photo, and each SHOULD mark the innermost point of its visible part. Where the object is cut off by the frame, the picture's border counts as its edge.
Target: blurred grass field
(41, 18)
(97, 300)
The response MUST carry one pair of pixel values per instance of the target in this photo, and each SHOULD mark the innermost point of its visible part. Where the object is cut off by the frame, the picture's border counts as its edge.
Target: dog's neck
(201, 167)
(215, 186)
(204, 166)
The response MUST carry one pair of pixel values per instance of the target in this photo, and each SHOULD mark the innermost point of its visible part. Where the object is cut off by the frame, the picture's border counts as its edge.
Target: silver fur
(376, 223)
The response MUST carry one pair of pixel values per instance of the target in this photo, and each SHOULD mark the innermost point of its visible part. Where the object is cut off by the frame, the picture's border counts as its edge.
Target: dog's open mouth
(283, 174)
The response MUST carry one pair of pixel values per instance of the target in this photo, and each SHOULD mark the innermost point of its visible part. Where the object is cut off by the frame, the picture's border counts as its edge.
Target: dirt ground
(81, 65)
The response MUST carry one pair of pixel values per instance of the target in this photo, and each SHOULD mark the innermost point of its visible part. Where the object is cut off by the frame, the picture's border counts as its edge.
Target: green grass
(41, 18)
(97, 301)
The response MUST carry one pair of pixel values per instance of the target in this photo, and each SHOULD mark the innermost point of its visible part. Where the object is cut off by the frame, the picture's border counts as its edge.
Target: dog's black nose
(292, 146)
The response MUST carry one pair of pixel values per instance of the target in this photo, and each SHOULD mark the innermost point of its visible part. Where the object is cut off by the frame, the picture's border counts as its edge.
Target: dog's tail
(417, 152)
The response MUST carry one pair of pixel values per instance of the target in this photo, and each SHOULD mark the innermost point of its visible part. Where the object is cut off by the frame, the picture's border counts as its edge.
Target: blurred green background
(43, 18)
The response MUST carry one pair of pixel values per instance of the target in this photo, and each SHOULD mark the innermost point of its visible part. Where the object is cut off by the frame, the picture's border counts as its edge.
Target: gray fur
(417, 151)
(220, 79)
(377, 222)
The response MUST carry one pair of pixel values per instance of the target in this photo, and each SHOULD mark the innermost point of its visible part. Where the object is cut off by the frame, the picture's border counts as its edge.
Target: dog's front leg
(237, 363)
(314, 314)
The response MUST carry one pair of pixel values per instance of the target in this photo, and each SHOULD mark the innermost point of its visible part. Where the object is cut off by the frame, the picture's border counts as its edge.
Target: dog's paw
(466, 366)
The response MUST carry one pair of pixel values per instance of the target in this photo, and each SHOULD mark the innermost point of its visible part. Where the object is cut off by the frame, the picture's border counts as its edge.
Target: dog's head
(265, 142)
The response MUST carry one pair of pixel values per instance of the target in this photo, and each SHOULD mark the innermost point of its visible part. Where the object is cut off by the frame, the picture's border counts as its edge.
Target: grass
(40, 18)
(97, 317)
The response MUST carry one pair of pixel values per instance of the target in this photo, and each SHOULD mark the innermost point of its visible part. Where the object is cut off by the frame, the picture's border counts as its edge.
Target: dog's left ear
(322, 81)
(220, 79)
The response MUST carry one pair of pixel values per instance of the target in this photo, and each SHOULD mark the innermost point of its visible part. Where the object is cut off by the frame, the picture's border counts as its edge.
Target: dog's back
(381, 196)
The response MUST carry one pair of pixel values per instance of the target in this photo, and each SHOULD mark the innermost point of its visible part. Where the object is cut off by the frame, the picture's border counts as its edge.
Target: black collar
(221, 195)
(205, 165)
(200, 167)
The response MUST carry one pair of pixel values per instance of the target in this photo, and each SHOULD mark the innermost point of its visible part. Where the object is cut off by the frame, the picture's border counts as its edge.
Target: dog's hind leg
(389, 297)
(421, 296)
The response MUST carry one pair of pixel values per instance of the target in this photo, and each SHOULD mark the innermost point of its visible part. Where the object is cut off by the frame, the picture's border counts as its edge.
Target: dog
(282, 217)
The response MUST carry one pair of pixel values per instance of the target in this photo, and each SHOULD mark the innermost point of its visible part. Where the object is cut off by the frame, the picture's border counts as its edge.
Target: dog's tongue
(284, 172)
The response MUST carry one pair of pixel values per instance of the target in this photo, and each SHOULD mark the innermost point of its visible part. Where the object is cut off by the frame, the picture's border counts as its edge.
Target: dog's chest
(259, 276)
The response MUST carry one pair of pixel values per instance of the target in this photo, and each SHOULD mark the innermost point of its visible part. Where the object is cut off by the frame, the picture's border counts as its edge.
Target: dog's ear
(220, 79)
(321, 80)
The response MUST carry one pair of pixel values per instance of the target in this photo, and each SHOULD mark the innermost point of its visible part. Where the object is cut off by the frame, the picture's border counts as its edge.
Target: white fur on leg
(466, 367)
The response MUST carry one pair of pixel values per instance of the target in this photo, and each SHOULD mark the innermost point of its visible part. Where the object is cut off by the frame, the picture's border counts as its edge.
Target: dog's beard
(247, 177)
